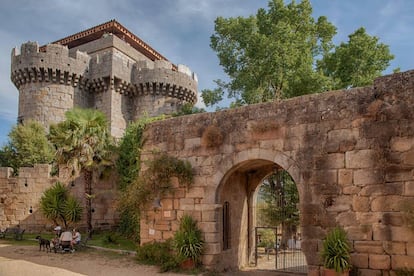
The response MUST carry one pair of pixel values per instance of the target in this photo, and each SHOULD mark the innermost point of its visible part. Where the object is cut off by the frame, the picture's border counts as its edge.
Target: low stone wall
(20, 196)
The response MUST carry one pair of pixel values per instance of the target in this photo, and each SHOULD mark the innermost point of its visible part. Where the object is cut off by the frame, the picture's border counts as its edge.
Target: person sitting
(65, 239)
(76, 237)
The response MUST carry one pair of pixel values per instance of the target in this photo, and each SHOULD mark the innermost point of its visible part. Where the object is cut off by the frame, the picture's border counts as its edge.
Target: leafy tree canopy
(280, 197)
(28, 145)
(82, 141)
(357, 62)
(284, 52)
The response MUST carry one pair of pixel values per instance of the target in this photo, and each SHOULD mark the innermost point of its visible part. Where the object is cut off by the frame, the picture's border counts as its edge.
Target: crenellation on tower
(106, 68)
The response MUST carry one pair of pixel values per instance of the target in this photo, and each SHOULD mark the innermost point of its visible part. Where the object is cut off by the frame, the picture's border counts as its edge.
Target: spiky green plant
(59, 206)
(187, 240)
(336, 250)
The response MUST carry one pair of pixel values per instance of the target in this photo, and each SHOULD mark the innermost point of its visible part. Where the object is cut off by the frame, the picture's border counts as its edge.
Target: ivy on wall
(128, 166)
(139, 188)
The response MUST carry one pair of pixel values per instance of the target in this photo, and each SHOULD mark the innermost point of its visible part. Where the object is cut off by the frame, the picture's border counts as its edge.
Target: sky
(180, 30)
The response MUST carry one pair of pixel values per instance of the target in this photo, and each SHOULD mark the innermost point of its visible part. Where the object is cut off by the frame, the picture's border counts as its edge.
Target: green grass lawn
(105, 239)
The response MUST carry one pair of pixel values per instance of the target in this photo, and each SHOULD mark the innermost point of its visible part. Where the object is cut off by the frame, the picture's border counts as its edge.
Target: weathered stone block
(209, 216)
(395, 248)
(402, 262)
(212, 237)
(345, 177)
(359, 159)
(195, 192)
(360, 203)
(370, 272)
(387, 203)
(393, 219)
(359, 233)
(167, 235)
(409, 188)
(410, 248)
(208, 227)
(365, 177)
(359, 260)
(408, 158)
(325, 177)
(167, 203)
(379, 261)
(398, 173)
(371, 247)
(401, 143)
(330, 161)
(383, 189)
(187, 203)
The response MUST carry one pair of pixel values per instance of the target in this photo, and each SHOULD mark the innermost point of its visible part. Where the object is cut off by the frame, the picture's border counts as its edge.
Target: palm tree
(83, 144)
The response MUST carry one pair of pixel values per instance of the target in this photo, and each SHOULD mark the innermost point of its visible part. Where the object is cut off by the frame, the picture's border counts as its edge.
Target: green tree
(58, 205)
(271, 55)
(357, 62)
(280, 196)
(280, 53)
(28, 145)
(84, 145)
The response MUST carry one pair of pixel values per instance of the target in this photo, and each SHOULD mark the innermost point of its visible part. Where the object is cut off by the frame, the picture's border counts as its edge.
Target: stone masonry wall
(350, 152)
(20, 196)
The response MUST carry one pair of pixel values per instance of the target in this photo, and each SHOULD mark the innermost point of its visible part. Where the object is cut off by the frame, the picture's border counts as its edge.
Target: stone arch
(245, 171)
(231, 162)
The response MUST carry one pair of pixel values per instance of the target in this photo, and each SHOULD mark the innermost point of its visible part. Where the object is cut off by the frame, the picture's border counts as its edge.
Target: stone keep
(106, 68)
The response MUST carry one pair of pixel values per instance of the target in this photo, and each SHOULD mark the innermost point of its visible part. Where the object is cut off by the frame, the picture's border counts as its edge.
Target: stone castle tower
(105, 67)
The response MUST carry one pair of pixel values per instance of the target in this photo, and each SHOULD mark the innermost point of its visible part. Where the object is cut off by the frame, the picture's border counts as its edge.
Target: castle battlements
(55, 64)
(105, 67)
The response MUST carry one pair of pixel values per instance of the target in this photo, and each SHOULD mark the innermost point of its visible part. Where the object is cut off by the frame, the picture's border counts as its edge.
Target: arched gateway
(350, 153)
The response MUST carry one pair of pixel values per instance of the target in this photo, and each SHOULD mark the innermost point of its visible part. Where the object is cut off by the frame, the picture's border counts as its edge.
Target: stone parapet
(55, 65)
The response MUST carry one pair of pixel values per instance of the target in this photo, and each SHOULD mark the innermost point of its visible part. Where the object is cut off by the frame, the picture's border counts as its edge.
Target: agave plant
(187, 240)
(59, 206)
(335, 251)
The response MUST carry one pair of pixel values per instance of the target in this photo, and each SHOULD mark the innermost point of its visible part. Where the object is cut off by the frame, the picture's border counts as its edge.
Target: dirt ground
(25, 260)
(28, 260)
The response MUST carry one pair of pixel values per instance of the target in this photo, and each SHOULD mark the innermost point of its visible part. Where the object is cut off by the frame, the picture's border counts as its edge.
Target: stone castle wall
(114, 78)
(350, 152)
(20, 196)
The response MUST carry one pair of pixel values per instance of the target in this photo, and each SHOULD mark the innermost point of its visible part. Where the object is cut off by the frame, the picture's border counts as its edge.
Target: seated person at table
(76, 237)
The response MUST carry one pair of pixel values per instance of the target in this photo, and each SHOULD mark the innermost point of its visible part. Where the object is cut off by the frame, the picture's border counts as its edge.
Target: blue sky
(181, 29)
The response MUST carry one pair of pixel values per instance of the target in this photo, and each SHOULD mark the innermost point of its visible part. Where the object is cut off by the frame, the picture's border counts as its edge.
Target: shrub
(187, 240)
(336, 250)
(160, 254)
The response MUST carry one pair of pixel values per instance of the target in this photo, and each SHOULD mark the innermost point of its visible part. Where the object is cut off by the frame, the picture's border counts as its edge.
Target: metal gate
(280, 247)
(277, 256)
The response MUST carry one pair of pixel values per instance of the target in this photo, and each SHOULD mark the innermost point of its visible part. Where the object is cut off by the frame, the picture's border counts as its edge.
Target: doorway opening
(278, 235)
(260, 219)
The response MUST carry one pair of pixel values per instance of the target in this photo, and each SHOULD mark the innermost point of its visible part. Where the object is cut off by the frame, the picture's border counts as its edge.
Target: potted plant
(336, 253)
(188, 242)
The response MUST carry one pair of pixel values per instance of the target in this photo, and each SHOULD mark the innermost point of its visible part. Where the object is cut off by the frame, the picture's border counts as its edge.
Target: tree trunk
(88, 193)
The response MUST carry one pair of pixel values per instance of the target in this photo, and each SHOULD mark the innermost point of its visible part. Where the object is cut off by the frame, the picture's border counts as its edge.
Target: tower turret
(47, 81)
(105, 67)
